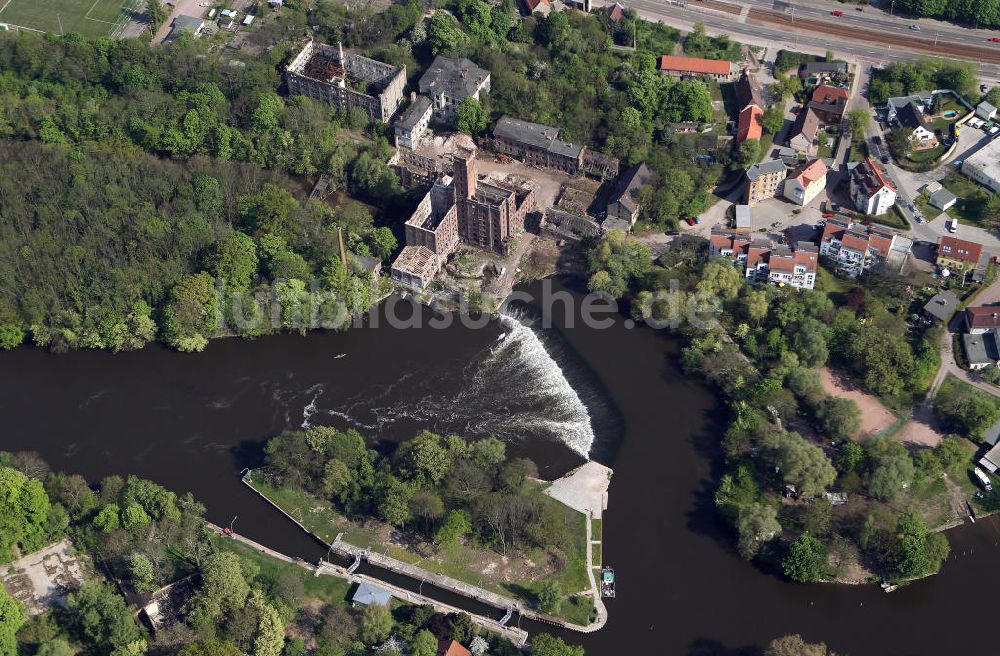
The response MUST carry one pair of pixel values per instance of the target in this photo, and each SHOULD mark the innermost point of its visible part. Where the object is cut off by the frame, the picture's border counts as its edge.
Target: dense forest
(905, 77)
(104, 246)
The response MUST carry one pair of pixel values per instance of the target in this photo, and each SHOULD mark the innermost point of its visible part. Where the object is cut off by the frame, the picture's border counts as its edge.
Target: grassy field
(465, 562)
(971, 199)
(91, 18)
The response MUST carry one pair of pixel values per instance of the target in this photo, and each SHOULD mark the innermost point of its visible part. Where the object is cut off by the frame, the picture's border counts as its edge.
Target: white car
(915, 27)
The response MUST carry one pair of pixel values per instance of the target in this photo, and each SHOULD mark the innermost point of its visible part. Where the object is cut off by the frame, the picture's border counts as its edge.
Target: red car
(995, 39)
(690, 221)
(836, 13)
(828, 215)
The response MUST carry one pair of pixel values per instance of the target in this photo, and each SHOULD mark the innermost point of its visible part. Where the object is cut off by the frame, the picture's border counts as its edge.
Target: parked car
(995, 39)
(983, 88)
(829, 215)
(915, 27)
(697, 219)
(885, 159)
(690, 220)
(860, 8)
(877, 140)
(836, 13)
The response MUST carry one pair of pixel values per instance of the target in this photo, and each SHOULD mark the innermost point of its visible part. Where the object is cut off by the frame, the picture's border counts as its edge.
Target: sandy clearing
(875, 417)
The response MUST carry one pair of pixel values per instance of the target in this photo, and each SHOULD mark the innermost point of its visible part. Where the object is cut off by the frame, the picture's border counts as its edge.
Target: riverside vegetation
(462, 508)
(763, 354)
(153, 174)
(143, 536)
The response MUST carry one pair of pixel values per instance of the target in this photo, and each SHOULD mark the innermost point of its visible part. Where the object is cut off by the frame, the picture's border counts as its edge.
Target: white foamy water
(515, 390)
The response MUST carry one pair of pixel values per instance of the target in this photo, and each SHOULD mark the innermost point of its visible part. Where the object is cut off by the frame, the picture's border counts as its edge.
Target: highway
(745, 22)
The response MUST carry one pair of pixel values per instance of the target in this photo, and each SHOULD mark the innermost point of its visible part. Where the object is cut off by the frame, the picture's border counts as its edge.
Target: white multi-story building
(763, 261)
(805, 184)
(871, 190)
(853, 248)
(984, 166)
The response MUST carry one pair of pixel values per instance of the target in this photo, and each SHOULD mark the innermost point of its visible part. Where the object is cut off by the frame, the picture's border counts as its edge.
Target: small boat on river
(607, 582)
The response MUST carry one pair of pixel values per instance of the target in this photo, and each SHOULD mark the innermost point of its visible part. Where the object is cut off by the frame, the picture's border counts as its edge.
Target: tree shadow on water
(709, 647)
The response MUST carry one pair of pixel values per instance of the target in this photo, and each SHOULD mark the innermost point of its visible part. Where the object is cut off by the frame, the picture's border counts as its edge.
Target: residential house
(369, 594)
(911, 116)
(183, 23)
(958, 255)
(450, 81)
(981, 350)
(871, 191)
(452, 648)
(542, 7)
(806, 183)
(616, 12)
(982, 319)
(986, 111)
(893, 105)
(804, 135)
(853, 249)
(829, 103)
(943, 199)
(748, 91)
(624, 202)
(941, 306)
(685, 67)
(764, 180)
(762, 261)
(412, 123)
(750, 125)
(983, 166)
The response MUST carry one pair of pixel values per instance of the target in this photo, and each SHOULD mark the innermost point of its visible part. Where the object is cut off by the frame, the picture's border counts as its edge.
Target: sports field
(86, 17)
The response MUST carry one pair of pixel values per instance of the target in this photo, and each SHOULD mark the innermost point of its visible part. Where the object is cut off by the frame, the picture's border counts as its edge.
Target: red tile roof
(827, 94)
(756, 255)
(533, 4)
(984, 317)
(881, 243)
(616, 13)
(695, 65)
(750, 126)
(452, 649)
(854, 242)
(959, 249)
(811, 172)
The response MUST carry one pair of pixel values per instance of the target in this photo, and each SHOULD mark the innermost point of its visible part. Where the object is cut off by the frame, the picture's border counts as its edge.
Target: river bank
(474, 572)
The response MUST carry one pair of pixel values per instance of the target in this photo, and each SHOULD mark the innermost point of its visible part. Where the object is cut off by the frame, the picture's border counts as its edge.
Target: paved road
(776, 36)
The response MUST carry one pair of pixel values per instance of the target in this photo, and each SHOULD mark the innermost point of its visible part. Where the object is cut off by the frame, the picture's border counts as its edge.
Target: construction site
(346, 80)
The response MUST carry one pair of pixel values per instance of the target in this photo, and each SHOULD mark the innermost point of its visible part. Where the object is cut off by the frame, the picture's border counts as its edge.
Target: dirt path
(875, 417)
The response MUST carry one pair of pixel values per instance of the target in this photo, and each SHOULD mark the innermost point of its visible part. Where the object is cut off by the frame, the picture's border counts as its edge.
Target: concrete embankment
(517, 636)
(591, 496)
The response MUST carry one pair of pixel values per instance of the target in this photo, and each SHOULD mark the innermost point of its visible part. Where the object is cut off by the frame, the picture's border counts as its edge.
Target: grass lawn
(471, 563)
(919, 159)
(91, 18)
(825, 149)
(971, 199)
(834, 287)
(893, 218)
(326, 588)
(929, 211)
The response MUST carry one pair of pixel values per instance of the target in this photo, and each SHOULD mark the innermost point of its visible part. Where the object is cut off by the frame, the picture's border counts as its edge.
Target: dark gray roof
(826, 67)
(630, 182)
(457, 78)
(942, 306)
(981, 349)
(942, 197)
(184, 22)
(369, 594)
(767, 166)
(533, 134)
(911, 116)
(748, 91)
(986, 107)
(414, 112)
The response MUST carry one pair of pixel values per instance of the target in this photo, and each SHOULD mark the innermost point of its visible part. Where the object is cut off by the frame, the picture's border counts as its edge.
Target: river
(192, 422)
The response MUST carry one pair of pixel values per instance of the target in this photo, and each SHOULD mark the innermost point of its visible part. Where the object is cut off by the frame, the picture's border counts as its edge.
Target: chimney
(413, 96)
(340, 52)
(465, 173)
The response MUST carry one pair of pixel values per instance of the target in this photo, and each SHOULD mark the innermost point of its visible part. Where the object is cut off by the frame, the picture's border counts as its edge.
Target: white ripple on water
(516, 389)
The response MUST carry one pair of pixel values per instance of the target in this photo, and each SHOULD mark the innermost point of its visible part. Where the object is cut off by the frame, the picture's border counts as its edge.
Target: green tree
(470, 117)
(142, 573)
(424, 644)
(687, 100)
(11, 336)
(56, 647)
(544, 644)
(444, 34)
(890, 468)
(134, 517)
(210, 647)
(12, 618)
(840, 417)
(269, 637)
(756, 523)
(383, 242)
(235, 260)
(224, 588)
(773, 120)
(550, 597)
(101, 617)
(858, 119)
(802, 463)
(376, 624)
(918, 552)
(424, 458)
(109, 519)
(805, 560)
(749, 152)
(190, 317)
(456, 525)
